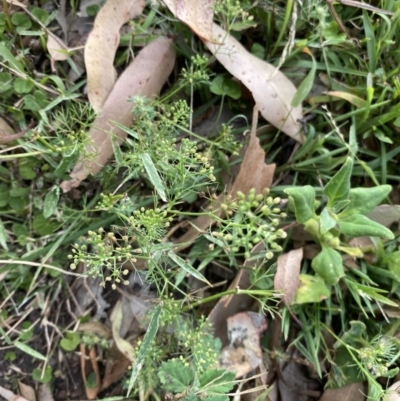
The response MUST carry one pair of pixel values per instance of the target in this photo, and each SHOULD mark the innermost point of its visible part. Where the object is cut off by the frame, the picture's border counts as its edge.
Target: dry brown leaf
(124, 346)
(351, 392)
(10, 396)
(272, 90)
(295, 384)
(244, 353)
(7, 133)
(26, 391)
(287, 274)
(145, 76)
(197, 14)
(115, 369)
(253, 173)
(394, 392)
(229, 305)
(57, 49)
(102, 45)
(95, 328)
(44, 393)
(385, 214)
(89, 365)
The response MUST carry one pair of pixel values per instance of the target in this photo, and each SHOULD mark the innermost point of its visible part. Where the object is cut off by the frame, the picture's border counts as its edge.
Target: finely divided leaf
(175, 376)
(303, 198)
(338, 188)
(358, 225)
(145, 76)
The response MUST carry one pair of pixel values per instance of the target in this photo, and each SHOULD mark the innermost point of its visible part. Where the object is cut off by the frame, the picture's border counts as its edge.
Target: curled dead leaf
(287, 275)
(10, 396)
(57, 48)
(244, 353)
(102, 45)
(271, 89)
(145, 76)
(124, 346)
(89, 365)
(197, 14)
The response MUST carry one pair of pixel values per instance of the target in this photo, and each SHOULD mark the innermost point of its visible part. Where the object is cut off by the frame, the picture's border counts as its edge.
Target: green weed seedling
(344, 216)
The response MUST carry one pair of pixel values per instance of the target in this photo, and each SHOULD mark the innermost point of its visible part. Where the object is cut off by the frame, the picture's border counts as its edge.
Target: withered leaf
(145, 76)
(102, 45)
(287, 275)
(271, 89)
(197, 14)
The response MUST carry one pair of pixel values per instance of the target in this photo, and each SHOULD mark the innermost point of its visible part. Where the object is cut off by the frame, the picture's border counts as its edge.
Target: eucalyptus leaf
(338, 188)
(328, 264)
(359, 226)
(303, 199)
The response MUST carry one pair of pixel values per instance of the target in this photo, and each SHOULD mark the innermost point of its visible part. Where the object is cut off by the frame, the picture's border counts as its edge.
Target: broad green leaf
(375, 390)
(359, 226)
(7, 56)
(224, 86)
(217, 381)
(216, 398)
(44, 226)
(303, 199)
(153, 175)
(70, 341)
(42, 377)
(175, 376)
(326, 221)
(50, 202)
(393, 263)
(22, 85)
(338, 188)
(3, 236)
(4, 195)
(363, 200)
(187, 267)
(311, 289)
(328, 264)
(145, 347)
(305, 86)
(28, 350)
(26, 168)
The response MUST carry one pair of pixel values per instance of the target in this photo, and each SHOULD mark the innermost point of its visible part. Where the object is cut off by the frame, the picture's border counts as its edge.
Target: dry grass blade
(10, 396)
(145, 76)
(102, 45)
(272, 91)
